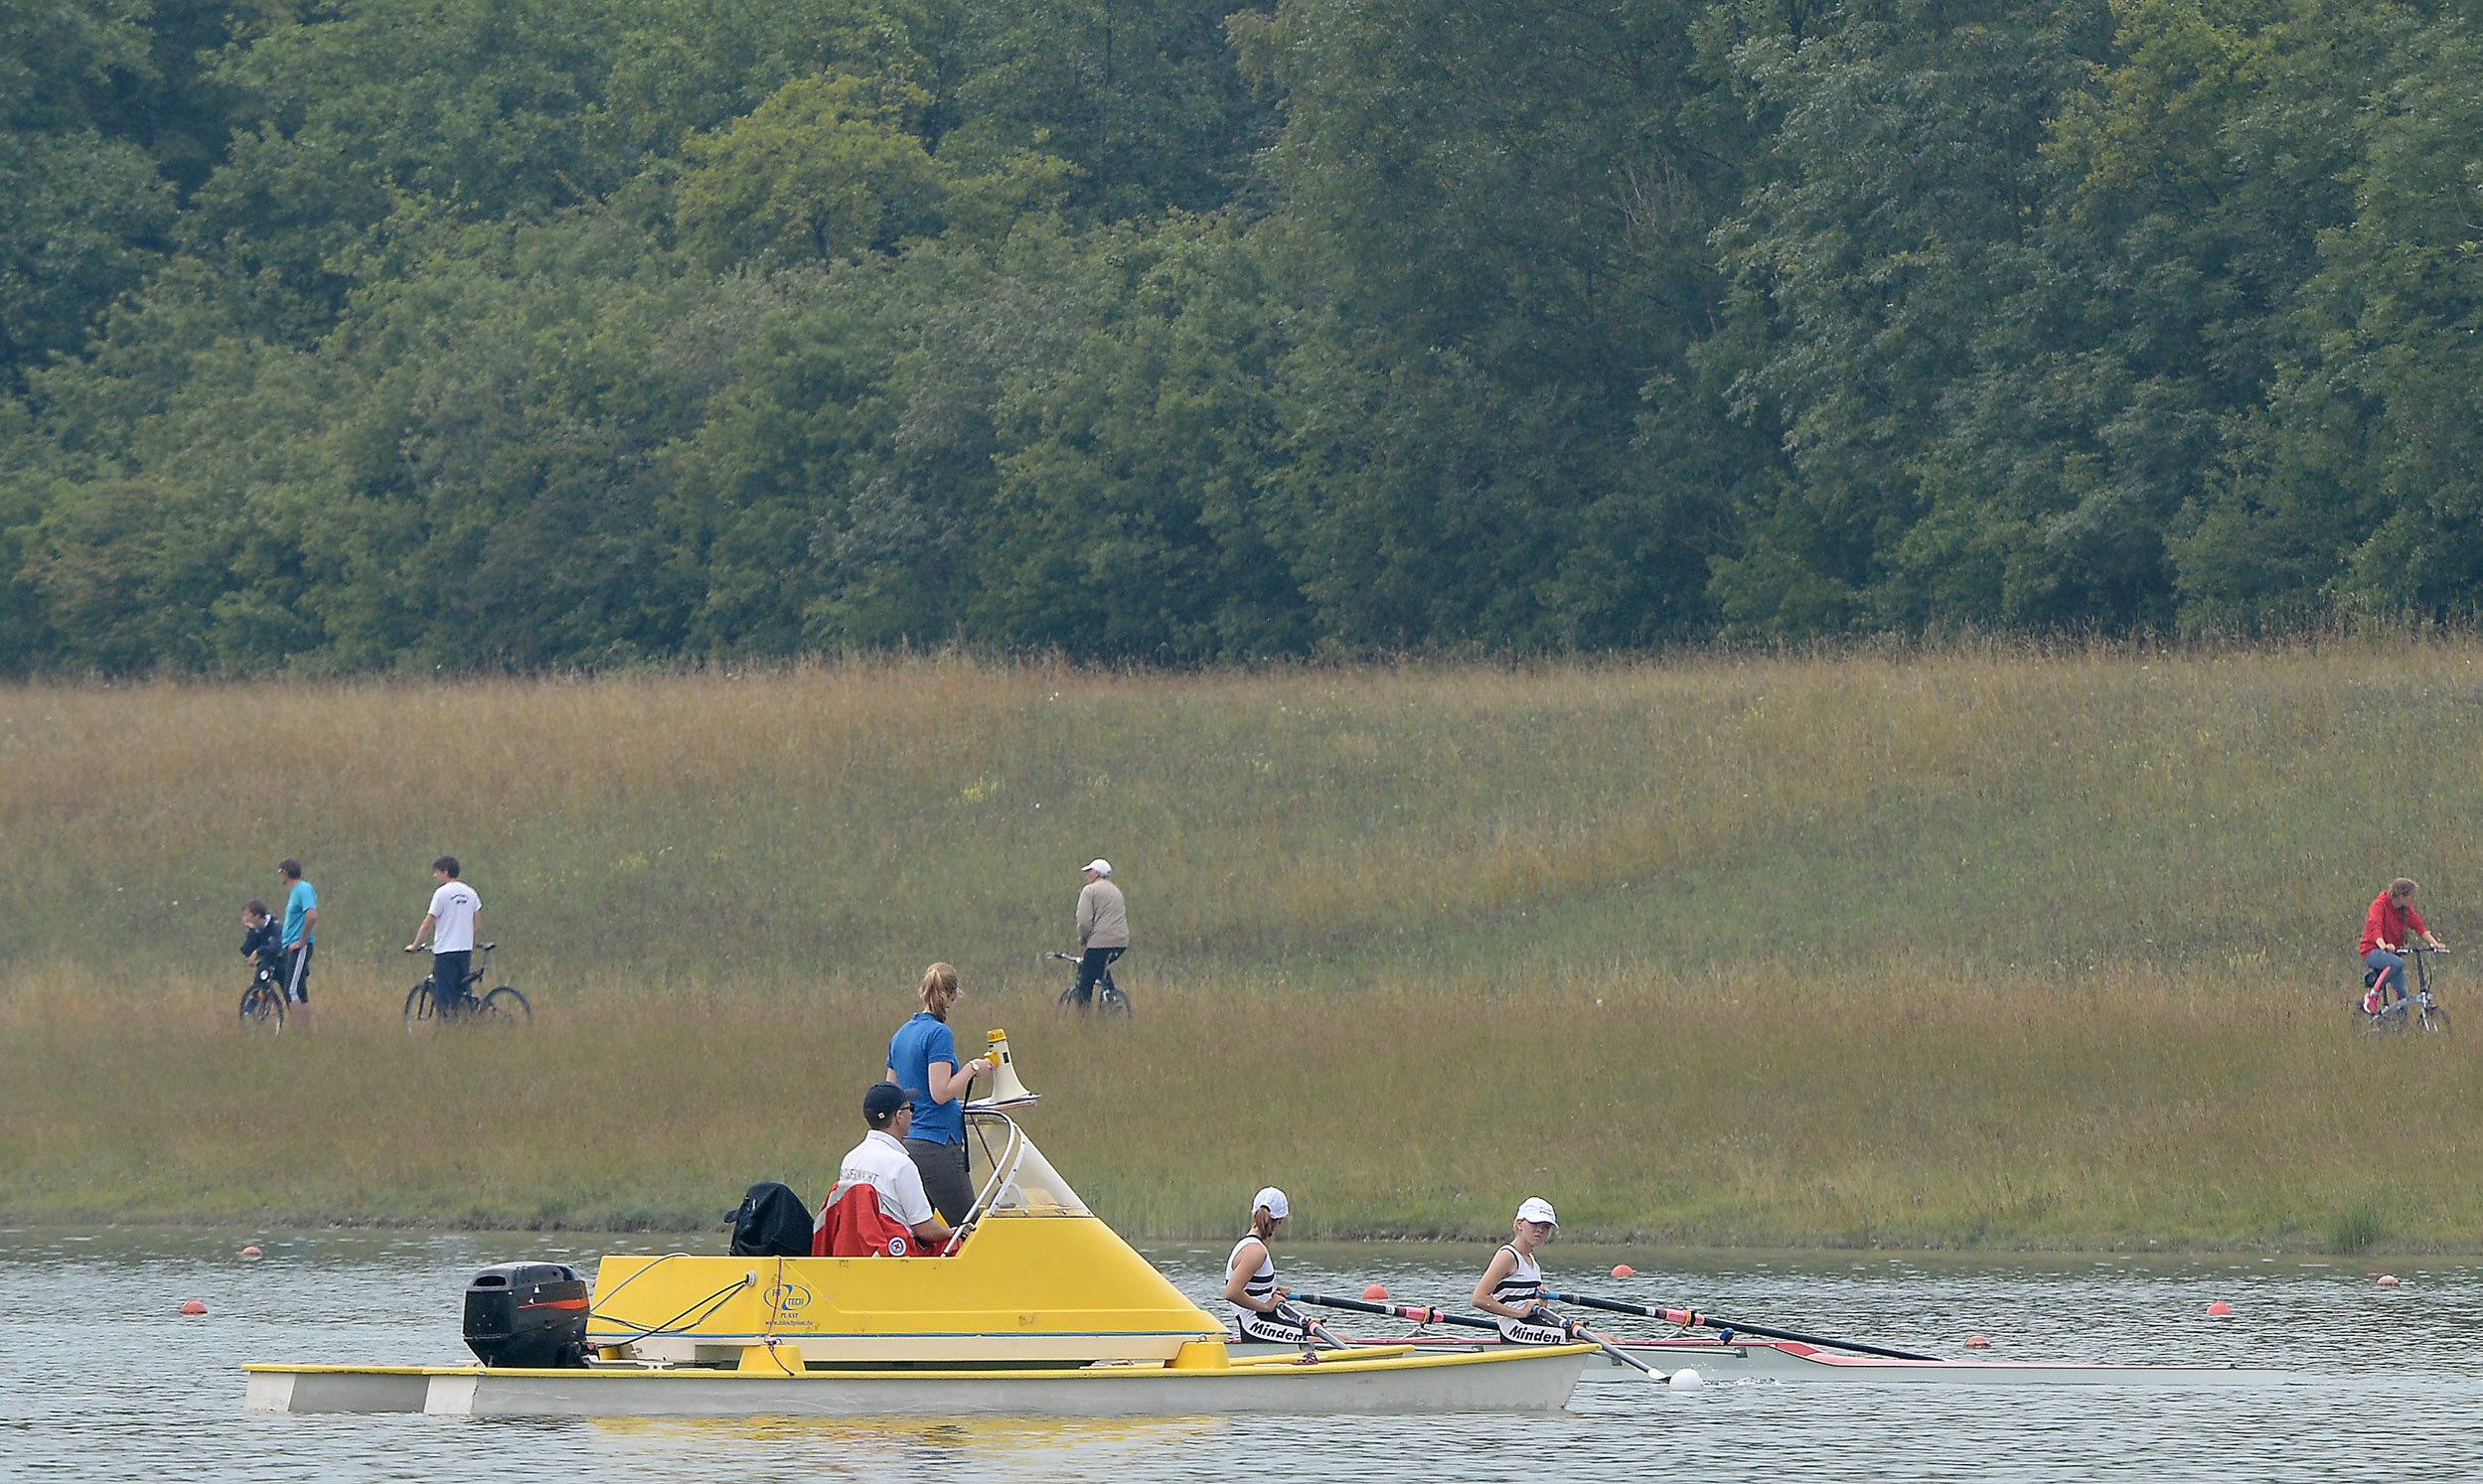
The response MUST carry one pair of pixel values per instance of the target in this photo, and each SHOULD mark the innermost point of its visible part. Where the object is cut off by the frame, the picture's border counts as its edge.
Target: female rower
(1512, 1288)
(922, 1059)
(1249, 1284)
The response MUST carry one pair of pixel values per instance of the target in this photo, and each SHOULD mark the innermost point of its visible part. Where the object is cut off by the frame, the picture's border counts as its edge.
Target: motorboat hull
(1507, 1381)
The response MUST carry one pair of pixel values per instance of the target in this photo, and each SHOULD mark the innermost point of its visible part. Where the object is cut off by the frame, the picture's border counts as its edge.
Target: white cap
(1100, 866)
(1537, 1208)
(1272, 1201)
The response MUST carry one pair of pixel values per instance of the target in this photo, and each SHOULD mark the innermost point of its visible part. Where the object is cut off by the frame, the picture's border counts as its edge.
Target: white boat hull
(1505, 1381)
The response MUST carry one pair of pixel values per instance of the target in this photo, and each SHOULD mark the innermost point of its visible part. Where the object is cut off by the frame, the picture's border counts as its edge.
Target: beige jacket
(1103, 918)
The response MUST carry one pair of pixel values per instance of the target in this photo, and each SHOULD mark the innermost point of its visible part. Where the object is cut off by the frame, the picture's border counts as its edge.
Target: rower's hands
(1276, 1298)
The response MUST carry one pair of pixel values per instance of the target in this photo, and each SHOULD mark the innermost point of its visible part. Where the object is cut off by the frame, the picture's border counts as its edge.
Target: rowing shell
(1791, 1360)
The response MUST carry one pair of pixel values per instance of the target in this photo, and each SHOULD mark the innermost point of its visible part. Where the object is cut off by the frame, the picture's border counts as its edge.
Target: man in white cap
(1511, 1290)
(1250, 1286)
(1103, 931)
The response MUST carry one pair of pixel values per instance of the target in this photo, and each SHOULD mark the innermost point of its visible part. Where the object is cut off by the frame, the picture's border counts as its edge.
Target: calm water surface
(103, 1380)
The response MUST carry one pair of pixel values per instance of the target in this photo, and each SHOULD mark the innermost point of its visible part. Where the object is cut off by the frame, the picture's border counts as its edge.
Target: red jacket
(852, 1225)
(2387, 921)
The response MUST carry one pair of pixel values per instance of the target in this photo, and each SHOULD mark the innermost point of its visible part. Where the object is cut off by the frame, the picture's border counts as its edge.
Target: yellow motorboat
(1037, 1309)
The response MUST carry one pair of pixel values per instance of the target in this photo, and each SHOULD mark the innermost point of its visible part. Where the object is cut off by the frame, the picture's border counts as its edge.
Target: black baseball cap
(883, 1100)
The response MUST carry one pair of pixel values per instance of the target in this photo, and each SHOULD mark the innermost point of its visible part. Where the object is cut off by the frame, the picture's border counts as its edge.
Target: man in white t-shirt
(880, 1162)
(450, 927)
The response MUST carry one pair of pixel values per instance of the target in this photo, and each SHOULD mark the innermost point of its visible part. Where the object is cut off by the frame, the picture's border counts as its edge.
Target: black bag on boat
(772, 1223)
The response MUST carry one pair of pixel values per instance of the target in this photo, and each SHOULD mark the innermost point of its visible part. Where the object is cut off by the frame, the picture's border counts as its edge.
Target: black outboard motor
(527, 1315)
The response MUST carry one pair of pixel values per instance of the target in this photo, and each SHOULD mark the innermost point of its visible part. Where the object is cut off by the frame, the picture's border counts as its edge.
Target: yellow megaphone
(1006, 1090)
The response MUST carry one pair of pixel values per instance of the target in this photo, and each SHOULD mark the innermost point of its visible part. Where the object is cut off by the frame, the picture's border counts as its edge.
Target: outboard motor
(527, 1315)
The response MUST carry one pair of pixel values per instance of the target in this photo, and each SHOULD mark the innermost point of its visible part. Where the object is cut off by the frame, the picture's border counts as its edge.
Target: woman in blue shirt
(922, 1059)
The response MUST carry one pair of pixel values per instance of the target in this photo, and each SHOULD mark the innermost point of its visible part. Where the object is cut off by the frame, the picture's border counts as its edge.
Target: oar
(1412, 1311)
(1692, 1319)
(1422, 1315)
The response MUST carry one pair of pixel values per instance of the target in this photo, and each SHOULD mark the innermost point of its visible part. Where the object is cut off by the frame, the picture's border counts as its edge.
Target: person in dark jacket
(262, 938)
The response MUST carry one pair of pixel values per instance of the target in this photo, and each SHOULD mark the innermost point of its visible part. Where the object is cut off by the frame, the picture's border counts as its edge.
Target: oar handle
(1410, 1311)
(1693, 1319)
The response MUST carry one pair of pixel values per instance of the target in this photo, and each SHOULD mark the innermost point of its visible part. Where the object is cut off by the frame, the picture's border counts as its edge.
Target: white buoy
(1686, 1379)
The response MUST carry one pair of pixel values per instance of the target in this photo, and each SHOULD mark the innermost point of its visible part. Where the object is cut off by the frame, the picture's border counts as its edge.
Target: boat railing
(1003, 1165)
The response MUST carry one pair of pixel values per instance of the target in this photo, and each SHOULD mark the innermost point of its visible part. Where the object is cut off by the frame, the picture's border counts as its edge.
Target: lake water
(105, 1380)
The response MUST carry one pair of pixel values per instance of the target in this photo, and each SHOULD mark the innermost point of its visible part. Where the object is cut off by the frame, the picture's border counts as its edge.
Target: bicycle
(2415, 1011)
(503, 1006)
(1109, 999)
(263, 1004)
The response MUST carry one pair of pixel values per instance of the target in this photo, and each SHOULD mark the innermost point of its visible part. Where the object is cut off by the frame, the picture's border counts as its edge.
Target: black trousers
(944, 1178)
(1090, 971)
(448, 980)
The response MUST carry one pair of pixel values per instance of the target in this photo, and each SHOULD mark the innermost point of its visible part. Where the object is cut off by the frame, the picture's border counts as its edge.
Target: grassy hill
(1977, 948)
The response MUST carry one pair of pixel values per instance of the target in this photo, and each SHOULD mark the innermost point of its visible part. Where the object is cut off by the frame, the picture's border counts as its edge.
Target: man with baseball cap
(1512, 1288)
(880, 1163)
(1103, 931)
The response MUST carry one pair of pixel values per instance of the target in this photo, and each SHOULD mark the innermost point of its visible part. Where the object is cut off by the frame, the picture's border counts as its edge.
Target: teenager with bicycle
(2383, 943)
(262, 941)
(1103, 931)
(923, 1059)
(450, 926)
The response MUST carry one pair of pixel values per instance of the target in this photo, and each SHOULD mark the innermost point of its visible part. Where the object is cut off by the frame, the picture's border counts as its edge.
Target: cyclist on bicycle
(2384, 941)
(1103, 930)
(450, 926)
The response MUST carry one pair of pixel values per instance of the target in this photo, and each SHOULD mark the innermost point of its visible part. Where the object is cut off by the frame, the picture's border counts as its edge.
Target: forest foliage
(483, 334)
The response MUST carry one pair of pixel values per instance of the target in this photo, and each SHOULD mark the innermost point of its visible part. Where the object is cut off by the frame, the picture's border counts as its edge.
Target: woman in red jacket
(2383, 939)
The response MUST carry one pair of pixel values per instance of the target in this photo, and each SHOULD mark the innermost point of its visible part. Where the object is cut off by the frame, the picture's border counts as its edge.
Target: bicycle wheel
(420, 1013)
(262, 1011)
(1110, 1001)
(503, 1006)
(2434, 1019)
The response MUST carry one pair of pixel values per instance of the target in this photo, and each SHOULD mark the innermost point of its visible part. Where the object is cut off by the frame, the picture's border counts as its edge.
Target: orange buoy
(2220, 1310)
(1375, 1293)
(2387, 1281)
(193, 1306)
(1977, 1342)
(1624, 1271)
(251, 1251)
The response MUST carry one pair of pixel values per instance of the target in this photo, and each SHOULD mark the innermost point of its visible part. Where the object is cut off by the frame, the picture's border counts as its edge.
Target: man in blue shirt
(922, 1059)
(301, 915)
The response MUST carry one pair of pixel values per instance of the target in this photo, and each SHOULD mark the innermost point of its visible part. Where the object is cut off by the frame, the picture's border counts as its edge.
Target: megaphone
(1006, 1090)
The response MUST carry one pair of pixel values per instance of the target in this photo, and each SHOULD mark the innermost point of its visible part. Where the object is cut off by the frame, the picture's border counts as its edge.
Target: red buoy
(1375, 1293)
(1624, 1271)
(2220, 1310)
(193, 1306)
(251, 1251)
(1977, 1342)
(2387, 1281)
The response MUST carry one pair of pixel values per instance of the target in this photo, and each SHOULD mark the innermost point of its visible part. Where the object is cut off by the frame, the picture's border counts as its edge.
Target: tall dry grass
(1983, 946)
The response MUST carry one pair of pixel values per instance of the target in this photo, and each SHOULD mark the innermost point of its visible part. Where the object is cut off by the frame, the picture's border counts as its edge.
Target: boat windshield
(1011, 1174)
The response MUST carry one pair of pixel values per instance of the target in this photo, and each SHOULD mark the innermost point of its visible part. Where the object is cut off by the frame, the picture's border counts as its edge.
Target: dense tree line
(345, 334)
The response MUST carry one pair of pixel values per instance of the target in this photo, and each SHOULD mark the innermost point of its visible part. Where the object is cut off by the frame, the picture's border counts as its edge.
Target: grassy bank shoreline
(1966, 951)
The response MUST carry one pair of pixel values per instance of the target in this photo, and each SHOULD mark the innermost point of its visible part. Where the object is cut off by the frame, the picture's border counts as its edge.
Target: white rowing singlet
(1260, 1285)
(1521, 1289)
(1523, 1285)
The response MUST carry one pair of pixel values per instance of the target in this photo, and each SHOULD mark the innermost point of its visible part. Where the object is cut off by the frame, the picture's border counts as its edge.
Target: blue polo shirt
(916, 1045)
(302, 900)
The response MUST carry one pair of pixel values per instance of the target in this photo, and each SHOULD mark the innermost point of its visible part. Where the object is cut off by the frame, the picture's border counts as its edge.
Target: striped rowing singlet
(1523, 1285)
(1281, 1325)
(1259, 1286)
(1521, 1289)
